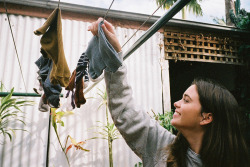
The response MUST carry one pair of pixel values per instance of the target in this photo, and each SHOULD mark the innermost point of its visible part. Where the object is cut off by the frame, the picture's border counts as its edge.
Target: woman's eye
(185, 100)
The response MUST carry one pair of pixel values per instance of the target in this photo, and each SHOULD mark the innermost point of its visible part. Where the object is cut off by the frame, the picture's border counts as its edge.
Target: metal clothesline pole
(151, 31)
(3, 94)
(156, 26)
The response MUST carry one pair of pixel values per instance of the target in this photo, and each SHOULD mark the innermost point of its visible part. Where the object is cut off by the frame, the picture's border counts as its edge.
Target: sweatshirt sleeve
(143, 134)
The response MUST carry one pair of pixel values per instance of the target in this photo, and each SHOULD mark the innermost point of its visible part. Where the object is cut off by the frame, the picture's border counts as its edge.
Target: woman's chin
(173, 122)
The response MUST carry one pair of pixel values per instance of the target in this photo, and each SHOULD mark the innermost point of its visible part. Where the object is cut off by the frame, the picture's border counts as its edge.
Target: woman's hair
(223, 143)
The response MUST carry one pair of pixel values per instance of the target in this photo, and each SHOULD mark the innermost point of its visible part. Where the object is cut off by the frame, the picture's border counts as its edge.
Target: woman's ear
(206, 118)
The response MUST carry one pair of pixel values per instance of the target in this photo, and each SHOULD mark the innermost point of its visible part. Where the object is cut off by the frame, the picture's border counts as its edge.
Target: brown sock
(71, 84)
(52, 44)
(79, 96)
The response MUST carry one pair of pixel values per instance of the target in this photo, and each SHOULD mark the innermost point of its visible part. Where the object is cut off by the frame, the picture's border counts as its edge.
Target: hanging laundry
(76, 82)
(82, 69)
(43, 104)
(101, 55)
(52, 44)
(77, 96)
(51, 91)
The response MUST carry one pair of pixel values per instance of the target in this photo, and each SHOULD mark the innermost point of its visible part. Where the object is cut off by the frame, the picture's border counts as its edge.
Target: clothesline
(37, 95)
(155, 27)
(15, 45)
(152, 30)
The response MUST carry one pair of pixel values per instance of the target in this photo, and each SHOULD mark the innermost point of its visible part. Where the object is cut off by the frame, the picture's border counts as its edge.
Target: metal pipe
(3, 94)
(156, 26)
(153, 29)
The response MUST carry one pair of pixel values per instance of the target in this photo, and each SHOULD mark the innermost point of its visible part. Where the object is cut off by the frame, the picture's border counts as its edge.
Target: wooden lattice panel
(203, 48)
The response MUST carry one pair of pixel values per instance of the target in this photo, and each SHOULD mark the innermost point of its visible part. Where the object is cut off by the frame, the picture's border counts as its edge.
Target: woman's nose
(177, 104)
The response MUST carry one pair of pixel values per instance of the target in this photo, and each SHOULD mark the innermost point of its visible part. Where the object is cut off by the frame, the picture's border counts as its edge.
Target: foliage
(11, 113)
(77, 145)
(241, 20)
(219, 21)
(165, 120)
(107, 131)
(57, 115)
(139, 164)
(54, 124)
(244, 51)
(193, 5)
(1, 86)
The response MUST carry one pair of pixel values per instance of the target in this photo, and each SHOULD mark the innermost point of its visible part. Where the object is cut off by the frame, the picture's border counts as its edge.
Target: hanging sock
(52, 45)
(77, 97)
(76, 83)
(43, 106)
(101, 55)
(70, 88)
(82, 69)
(51, 91)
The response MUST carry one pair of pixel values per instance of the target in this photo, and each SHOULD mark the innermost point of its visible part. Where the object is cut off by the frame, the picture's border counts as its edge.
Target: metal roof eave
(123, 15)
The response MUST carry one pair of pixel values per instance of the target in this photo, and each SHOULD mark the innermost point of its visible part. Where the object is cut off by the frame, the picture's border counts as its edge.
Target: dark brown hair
(223, 143)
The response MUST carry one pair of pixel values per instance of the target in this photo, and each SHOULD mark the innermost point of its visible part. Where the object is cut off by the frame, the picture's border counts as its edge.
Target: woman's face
(187, 115)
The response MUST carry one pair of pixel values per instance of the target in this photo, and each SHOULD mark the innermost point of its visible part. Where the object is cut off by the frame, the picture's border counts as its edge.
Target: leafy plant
(219, 21)
(57, 119)
(77, 145)
(241, 20)
(139, 164)
(1, 86)
(165, 120)
(107, 131)
(193, 6)
(11, 113)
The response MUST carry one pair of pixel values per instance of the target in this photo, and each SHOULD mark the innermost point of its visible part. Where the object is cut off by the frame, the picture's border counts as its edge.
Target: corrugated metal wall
(29, 149)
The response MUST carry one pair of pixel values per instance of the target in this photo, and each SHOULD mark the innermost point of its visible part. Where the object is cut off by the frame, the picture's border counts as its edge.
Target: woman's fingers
(94, 27)
(108, 31)
(109, 27)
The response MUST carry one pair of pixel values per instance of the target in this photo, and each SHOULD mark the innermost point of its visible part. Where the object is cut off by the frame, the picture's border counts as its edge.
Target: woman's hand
(108, 31)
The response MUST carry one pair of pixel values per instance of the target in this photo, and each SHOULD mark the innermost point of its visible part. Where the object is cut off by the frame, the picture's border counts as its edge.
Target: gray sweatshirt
(145, 136)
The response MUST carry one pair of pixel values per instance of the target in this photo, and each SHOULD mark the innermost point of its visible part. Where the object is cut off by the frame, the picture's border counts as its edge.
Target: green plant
(241, 18)
(77, 145)
(219, 21)
(193, 6)
(107, 131)
(57, 115)
(11, 113)
(139, 164)
(56, 118)
(1, 86)
(165, 120)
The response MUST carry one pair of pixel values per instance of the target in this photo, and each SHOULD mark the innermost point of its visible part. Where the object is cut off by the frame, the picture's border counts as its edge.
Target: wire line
(143, 24)
(108, 10)
(95, 83)
(15, 45)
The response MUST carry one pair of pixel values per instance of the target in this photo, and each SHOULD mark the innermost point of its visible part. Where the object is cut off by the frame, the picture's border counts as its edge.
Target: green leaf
(10, 137)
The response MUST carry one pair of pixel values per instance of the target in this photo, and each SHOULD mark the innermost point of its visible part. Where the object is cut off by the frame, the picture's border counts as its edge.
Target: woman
(206, 117)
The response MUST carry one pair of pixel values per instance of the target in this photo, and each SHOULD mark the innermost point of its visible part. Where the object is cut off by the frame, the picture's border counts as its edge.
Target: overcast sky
(211, 8)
